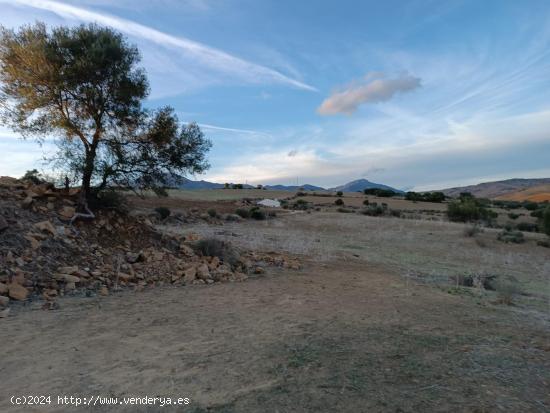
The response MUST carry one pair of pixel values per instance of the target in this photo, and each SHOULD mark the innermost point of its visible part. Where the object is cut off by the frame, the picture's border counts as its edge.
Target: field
(377, 319)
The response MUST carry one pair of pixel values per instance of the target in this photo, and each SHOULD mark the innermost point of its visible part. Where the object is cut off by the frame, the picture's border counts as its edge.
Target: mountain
(360, 185)
(305, 187)
(497, 188)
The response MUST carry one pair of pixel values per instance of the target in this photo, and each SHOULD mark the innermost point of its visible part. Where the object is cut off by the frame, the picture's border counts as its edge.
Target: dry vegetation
(382, 313)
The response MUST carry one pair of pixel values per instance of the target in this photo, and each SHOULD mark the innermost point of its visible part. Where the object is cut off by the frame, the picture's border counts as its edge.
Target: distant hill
(360, 185)
(538, 193)
(305, 187)
(497, 189)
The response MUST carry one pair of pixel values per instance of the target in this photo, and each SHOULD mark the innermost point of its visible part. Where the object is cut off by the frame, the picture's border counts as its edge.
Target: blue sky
(413, 94)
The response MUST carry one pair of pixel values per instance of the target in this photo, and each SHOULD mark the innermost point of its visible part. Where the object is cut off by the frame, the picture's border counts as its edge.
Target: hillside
(497, 189)
(539, 193)
(361, 185)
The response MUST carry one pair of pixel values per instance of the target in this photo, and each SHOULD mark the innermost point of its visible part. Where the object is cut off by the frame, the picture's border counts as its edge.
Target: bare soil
(369, 324)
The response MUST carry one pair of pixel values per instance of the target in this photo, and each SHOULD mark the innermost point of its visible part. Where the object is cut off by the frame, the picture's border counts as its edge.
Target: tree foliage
(83, 85)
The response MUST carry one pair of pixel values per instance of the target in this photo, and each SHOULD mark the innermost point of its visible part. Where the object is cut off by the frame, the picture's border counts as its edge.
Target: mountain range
(497, 188)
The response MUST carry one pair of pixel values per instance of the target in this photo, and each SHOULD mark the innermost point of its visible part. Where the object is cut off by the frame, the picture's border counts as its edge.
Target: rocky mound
(44, 256)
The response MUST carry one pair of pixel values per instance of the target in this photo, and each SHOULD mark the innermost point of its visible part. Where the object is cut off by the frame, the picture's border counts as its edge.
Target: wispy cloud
(374, 88)
(205, 55)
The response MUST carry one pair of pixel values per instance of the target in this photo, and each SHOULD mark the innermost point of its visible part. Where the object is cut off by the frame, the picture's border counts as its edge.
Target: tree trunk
(87, 174)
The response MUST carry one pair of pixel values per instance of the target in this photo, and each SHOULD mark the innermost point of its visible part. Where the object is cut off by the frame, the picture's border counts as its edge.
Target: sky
(413, 94)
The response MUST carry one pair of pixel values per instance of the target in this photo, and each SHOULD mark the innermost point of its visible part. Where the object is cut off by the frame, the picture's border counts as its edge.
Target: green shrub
(530, 206)
(300, 193)
(515, 237)
(513, 215)
(301, 204)
(339, 202)
(243, 213)
(163, 212)
(212, 212)
(527, 227)
(33, 176)
(366, 202)
(543, 243)
(339, 193)
(373, 211)
(257, 213)
(425, 197)
(468, 210)
(344, 210)
(472, 231)
(108, 199)
(546, 221)
(385, 193)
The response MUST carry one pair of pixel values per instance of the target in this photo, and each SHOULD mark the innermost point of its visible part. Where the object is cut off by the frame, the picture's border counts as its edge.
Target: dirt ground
(369, 324)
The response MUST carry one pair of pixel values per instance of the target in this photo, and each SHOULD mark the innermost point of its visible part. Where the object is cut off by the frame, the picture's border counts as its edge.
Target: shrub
(212, 212)
(385, 193)
(109, 199)
(301, 204)
(344, 210)
(513, 215)
(507, 236)
(472, 231)
(527, 227)
(213, 247)
(507, 290)
(530, 206)
(339, 193)
(33, 176)
(163, 212)
(366, 202)
(243, 213)
(543, 243)
(546, 221)
(300, 193)
(467, 209)
(395, 213)
(425, 197)
(339, 202)
(373, 211)
(257, 213)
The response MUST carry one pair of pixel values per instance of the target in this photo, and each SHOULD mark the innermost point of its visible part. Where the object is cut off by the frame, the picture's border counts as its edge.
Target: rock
(133, 257)
(17, 291)
(103, 291)
(3, 288)
(71, 278)
(240, 276)
(186, 250)
(214, 263)
(3, 224)
(4, 313)
(70, 286)
(35, 244)
(125, 277)
(189, 275)
(203, 272)
(27, 202)
(68, 270)
(67, 212)
(259, 270)
(4, 301)
(45, 226)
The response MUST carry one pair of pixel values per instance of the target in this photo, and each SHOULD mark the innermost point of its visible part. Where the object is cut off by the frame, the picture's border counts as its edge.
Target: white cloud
(210, 57)
(374, 88)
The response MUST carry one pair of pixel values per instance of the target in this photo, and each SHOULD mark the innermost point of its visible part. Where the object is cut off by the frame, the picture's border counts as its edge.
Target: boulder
(17, 291)
(3, 288)
(203, 272)
(67, 212)
(189, 275)
(4, 301)
(45, 226)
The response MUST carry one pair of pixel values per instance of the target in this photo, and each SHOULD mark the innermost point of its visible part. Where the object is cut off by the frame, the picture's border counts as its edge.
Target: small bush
(472, 231)
(385, 193)
(257, 213)
(339, 193)
(530, 206)
(543, 243)
(301, 204)
(507, 236)
(507, 290)
(300, 193)
(527, 227)
(366, 202)
(344, 210)
(339, 202)
(373, 211)
(163, 212)
(212, 212)
(513, 215)
(425, 197)
(33, 176)
(213, 247)
(395, 213)
(243, 213)
(109, 199)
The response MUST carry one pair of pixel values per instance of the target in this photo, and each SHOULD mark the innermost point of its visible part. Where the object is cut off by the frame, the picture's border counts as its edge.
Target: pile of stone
(44, 256)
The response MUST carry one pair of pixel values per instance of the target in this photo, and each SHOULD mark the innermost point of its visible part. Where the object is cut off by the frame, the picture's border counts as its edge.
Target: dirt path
(337, 337)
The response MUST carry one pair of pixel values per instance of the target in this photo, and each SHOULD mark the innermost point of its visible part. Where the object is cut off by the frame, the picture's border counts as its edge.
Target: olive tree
(83, 85)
